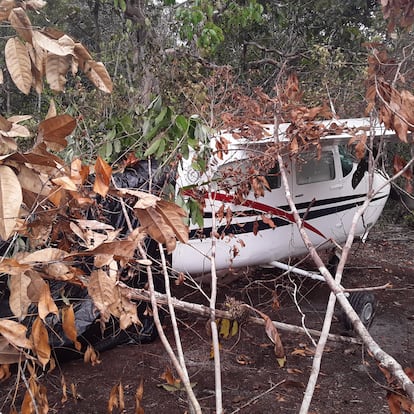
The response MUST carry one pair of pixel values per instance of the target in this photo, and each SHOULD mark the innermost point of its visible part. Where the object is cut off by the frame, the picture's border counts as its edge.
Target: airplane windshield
(347, 159)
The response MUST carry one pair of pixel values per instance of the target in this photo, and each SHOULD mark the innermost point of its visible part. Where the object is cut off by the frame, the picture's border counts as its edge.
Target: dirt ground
(252, 381)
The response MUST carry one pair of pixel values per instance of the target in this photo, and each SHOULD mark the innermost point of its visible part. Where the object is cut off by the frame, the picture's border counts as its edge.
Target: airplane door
(317, 190)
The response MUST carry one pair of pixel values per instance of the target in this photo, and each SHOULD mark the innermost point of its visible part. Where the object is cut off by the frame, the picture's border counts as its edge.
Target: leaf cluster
(48, 53)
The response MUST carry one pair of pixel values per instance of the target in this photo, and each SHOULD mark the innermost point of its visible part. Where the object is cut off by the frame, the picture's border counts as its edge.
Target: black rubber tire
(364, 304)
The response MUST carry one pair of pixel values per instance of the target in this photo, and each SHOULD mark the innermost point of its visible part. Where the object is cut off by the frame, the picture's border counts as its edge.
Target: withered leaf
(15, 333)
(4, 371)
(69, 327)
(46, 303)
(273, 335)
(103, 172)
(98, 75)
(65, 182)
(138, 398)
(9, 354)
(5, 124)
(116, 398)
(153, 223)
(91, 356)
(19, 65)
(102, 290)
(19, 300)
(53, 131)
(40, 340)
(268, 220)
(21, 23)
(11, 198)
(56, 69)
(49, 254)
(173, 215)
(52, 45)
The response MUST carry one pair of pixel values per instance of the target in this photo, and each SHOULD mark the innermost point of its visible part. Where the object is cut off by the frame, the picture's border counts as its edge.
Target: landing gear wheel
(364, 304)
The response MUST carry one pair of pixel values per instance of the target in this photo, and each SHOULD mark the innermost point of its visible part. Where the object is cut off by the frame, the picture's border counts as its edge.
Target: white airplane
(327, 192)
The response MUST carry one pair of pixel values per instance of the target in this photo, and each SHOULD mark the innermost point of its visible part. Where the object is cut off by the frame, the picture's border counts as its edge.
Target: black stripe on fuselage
(249, 227)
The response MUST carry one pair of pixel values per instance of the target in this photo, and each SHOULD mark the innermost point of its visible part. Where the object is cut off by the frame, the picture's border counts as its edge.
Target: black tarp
(87, 321)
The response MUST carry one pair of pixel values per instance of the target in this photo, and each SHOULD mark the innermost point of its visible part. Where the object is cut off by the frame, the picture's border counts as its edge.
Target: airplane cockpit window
(310, 169)
(347, 160)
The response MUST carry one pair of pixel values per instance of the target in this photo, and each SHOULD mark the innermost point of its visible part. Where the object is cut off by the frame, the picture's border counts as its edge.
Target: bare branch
(161, 299)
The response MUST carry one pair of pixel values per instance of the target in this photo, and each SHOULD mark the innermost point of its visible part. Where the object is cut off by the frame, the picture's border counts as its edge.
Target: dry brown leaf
(274, 336)
(145, 200)
(93, 225)
(116, 398)
(19, 300)
(34, 181)
(52, 45)
(51, 112)
(63, 387)
(65, 182)
(101, 289)
(4, 371)
(6, 7)
(169, 377)
(9, 354)
(98, 75)
(17, 131)
(40, 340)
(34, 291)
(12, 266)
(21, 23)
(11, 198)
(91, 356)
(49, 254)
(56, 69)
(138, 398)
(174, 216)
(82, 53)
(268, 220)
(128, 315)
(153, 223)
(46, 303)
(103, 172)
(53, 131)
(69, 326)
(78, 172)
(5, 124)
(35, 4)
(15, 333)
(18, 64)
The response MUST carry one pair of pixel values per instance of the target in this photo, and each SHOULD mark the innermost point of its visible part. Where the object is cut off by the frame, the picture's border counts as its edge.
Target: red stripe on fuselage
(227, 198)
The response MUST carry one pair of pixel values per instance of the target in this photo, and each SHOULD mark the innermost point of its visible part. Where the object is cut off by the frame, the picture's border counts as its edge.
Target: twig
(174, 320)
(182, 373)
(213, 324)
(164, 339)
(161, 299)
(369, 289)
(303, 316)
(254, 399)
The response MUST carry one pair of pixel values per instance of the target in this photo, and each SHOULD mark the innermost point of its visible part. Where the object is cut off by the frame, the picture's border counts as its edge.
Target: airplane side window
(347, 160)
(273, 177)
(312, 170)
(233, 173)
